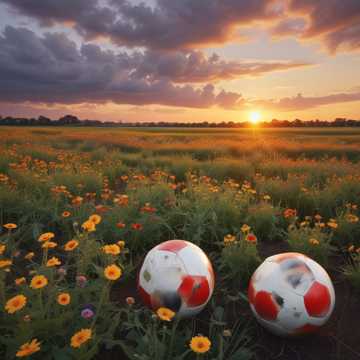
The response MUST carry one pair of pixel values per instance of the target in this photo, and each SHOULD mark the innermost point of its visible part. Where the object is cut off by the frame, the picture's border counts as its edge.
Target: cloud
(301, 102)
(167, 25)
(289, 27)
(344, 39)
(49, 12)
(51, 69)
(194, 66)
(189, 24)
(336, 23)
(327, 16)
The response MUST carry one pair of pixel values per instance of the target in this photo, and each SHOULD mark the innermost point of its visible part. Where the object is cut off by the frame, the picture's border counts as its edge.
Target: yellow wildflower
(54, 261)
(112, 249)
(10, 226)
(46, 236)
(96, 219)
(20, 281)
(38, 282)
(112, 272)
(314, 242)
(66, 214)
(80, 337)
(28, 348)
(229, 238)
(165, 314)
(4, 263)
(16, 303)
(49, 245)
(121, 244)
(89, 226)
(71, 245)
(332, 224)
(2, 248)
(200, 344)
(29, 255)
(64, 299)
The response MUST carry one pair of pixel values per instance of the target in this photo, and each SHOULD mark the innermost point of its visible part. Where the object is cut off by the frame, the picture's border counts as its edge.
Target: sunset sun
(254, 117)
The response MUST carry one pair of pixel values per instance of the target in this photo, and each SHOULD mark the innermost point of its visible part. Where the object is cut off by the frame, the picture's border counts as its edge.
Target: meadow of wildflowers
(79, 209)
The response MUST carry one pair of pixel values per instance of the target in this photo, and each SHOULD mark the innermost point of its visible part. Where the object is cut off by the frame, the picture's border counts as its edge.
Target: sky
(180, 60)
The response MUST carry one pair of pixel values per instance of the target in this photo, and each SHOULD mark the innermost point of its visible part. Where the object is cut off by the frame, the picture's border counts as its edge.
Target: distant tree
(68, 120)
(340, 122)
(71, 120)
(42, 120)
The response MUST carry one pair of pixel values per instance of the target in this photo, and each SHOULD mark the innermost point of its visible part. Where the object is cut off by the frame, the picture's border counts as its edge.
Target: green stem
(2, 286)
(102, 298)
(176, 323)
(163, 335)
(89, 351)
(41, 303)
(45, 256)
(51, 292)
(221, 347)
(153, 336)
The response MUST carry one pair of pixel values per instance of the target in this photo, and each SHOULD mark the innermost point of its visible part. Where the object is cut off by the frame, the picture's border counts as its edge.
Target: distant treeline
(70, 120)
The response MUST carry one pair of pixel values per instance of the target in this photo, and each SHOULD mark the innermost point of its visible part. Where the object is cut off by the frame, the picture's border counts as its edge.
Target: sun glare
(255, 117)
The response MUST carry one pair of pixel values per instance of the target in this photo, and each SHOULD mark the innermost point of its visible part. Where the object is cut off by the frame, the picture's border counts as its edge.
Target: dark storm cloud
(168, 24)
(327, 15)
(301, 102)
(179, 24)
(195, 66)
(52, 69)
(87, 13)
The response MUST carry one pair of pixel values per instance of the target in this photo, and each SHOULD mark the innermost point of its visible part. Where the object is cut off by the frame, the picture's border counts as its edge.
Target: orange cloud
(301, 102)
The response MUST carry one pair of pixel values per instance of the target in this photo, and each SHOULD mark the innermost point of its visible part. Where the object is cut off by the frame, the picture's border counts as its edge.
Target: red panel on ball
(172, 245)
(194, 290)
(317, 300)
(265, 306)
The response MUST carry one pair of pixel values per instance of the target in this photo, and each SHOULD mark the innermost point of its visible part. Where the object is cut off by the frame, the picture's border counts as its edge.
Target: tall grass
(308, 170)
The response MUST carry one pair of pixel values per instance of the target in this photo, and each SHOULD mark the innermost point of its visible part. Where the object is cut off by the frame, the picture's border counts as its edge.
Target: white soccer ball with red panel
(178, 275)
(291, 294)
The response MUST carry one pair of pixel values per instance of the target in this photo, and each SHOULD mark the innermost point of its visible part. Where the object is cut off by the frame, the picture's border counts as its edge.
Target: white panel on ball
(178, 275)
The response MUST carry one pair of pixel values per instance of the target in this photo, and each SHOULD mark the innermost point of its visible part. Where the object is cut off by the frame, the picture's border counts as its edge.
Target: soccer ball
(176, 274)
(291, 294)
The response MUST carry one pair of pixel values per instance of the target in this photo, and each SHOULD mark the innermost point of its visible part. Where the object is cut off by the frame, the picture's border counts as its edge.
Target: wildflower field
(80, 208)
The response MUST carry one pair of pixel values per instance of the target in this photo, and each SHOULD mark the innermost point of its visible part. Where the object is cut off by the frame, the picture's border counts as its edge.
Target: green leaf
(242, 354)
(219, 313)
(60, 354)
